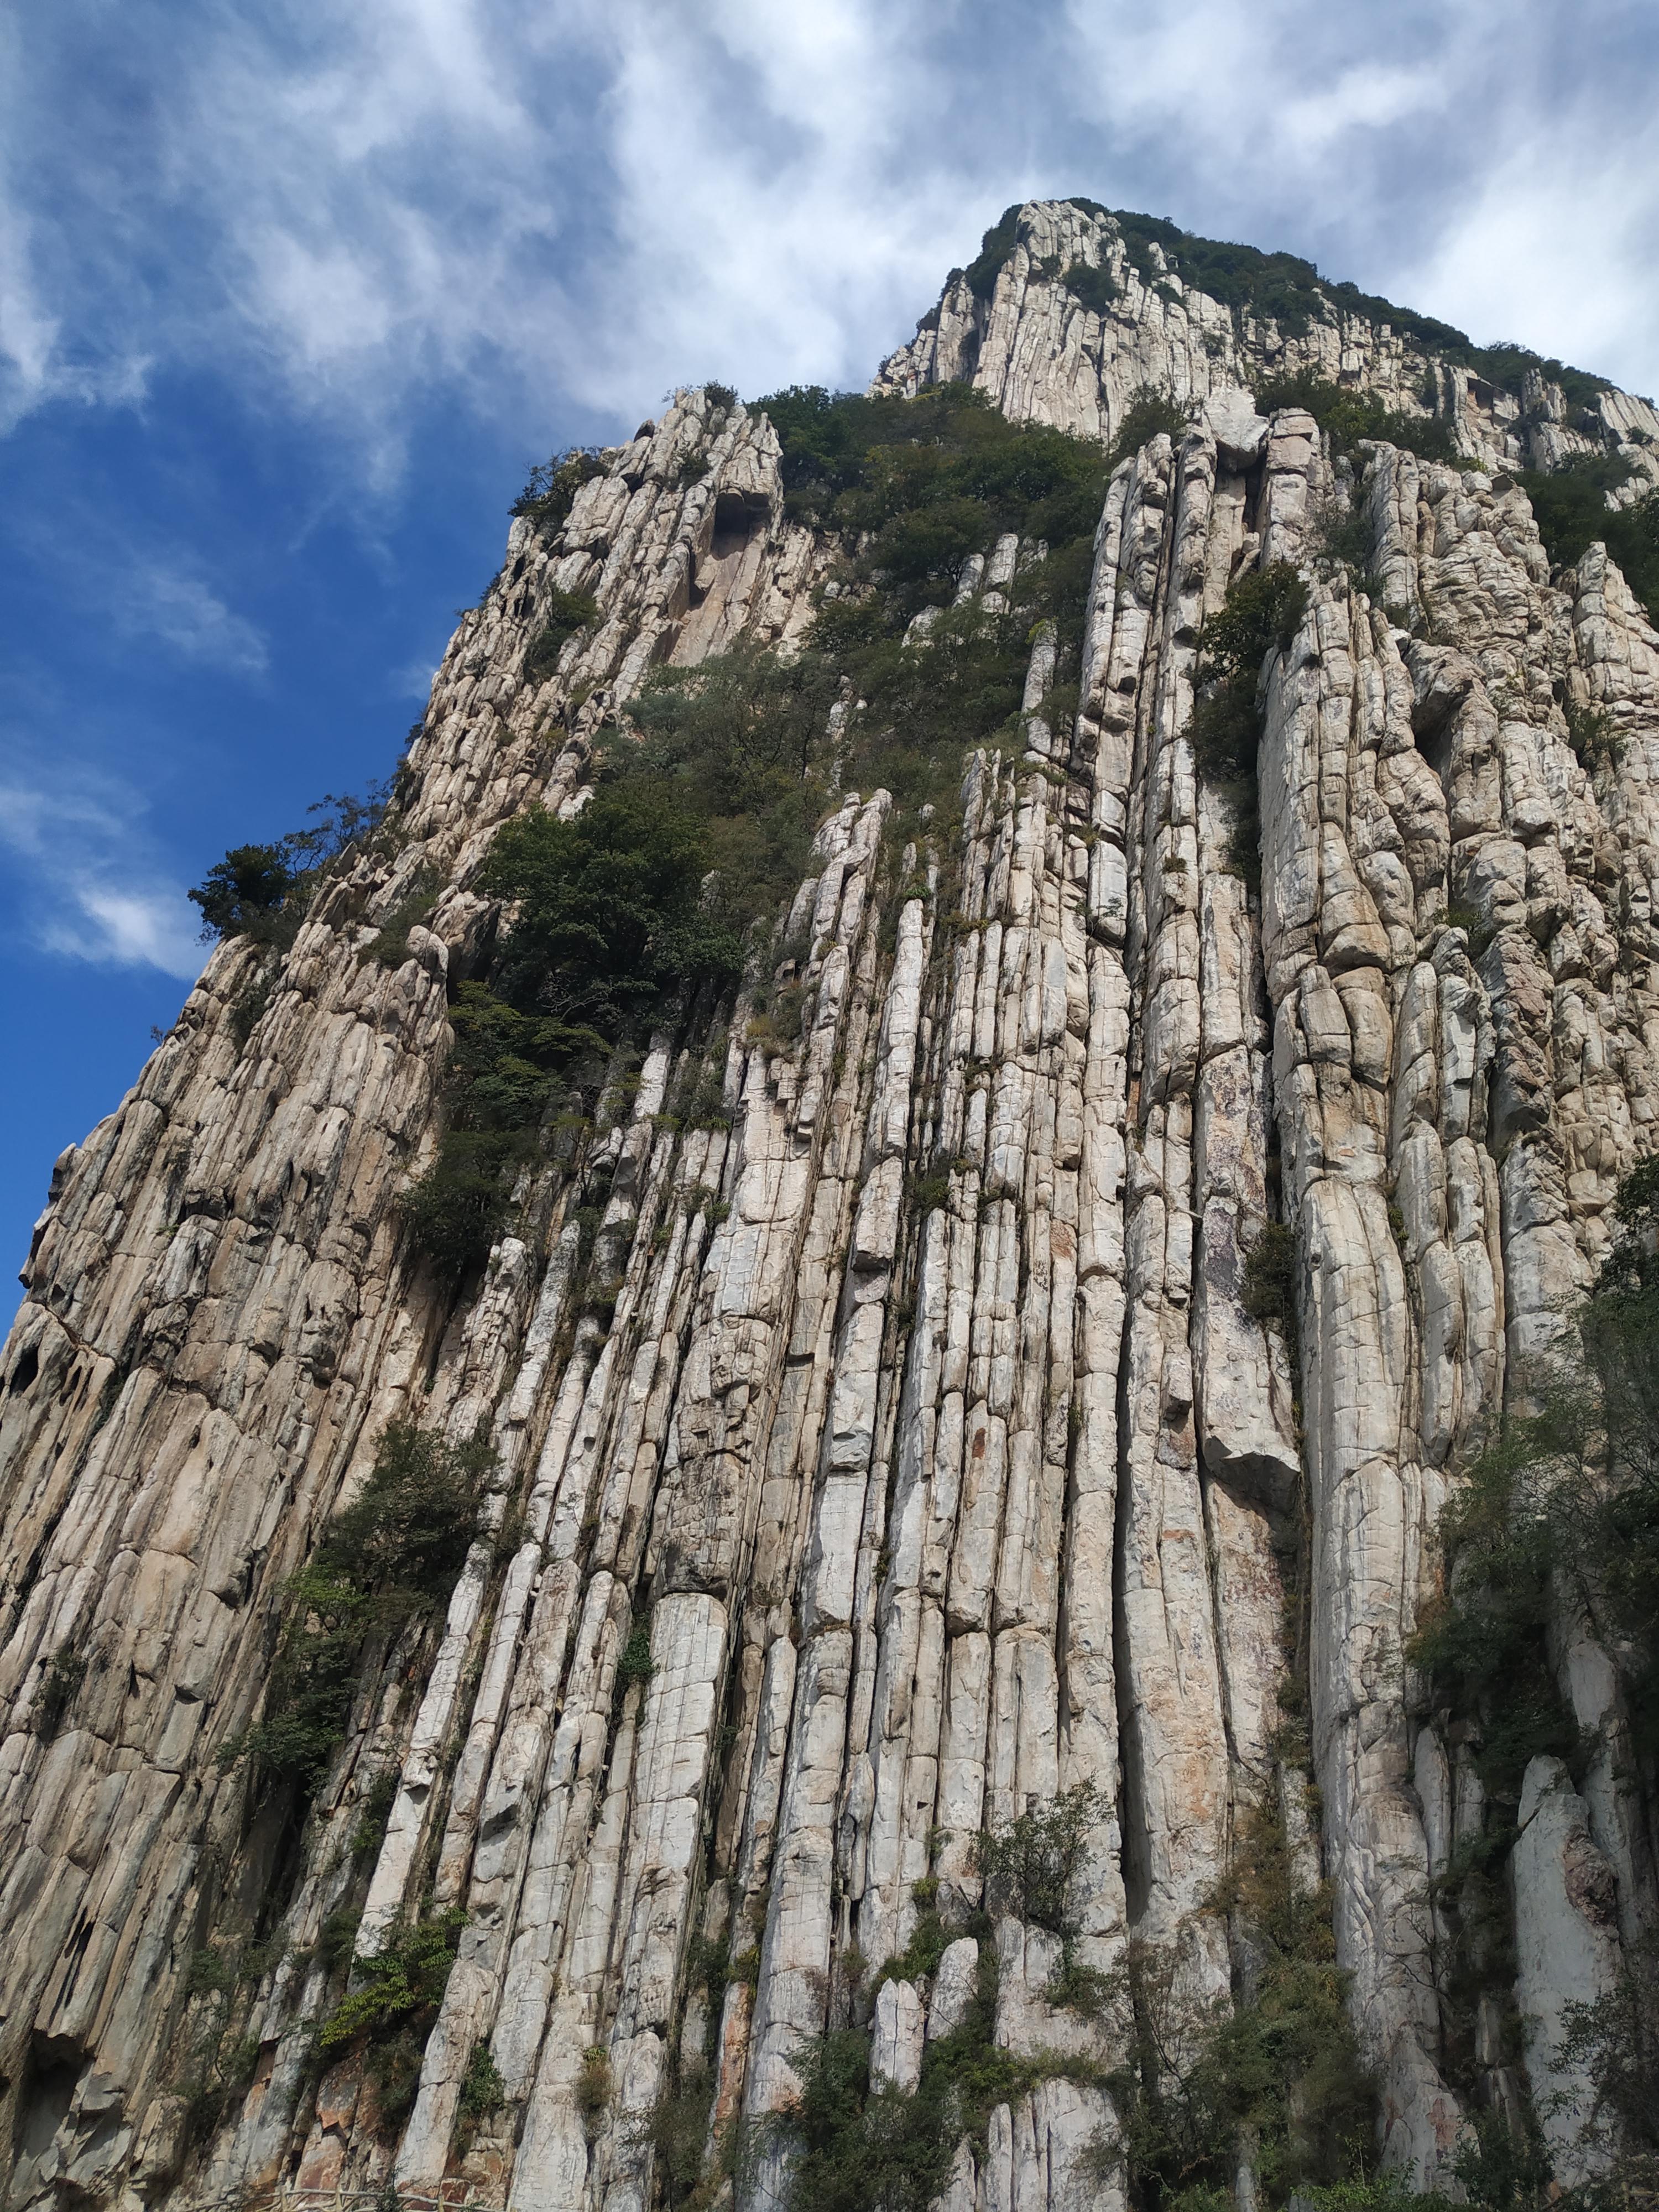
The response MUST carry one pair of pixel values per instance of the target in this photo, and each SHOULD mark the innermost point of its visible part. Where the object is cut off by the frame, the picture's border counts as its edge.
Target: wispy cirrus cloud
(164, 600)
(156, 591)
(91, 886)
(90, 877)
(353, 209)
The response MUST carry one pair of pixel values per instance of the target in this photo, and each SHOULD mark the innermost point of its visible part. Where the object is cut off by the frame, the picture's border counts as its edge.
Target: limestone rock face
(1046, 347)
(931, 1445)
(1566, 1912)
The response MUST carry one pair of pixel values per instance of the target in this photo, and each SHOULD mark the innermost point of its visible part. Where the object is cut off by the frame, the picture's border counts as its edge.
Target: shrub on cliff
(60, 1683)
(1565, 1507)
(551, 492)
(393, 2010)
(1028, 1867)
(262, 892)
(995, 248)
(1260, 615)
(563, 613)
(1091, 287)
(1347, 415)
(1277, 2069)
(243, 894)
(609, 917)
(931, 480)
(610, 925)
(856, 2147)
(1571, 509)
(393, 1553)
(407, 1534)
(1153, 410)
(733, 740)
(1615, 2042)
(1269, 1290)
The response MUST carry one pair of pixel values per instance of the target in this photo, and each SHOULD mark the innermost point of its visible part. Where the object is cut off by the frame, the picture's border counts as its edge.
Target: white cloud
(151, 587)
(89, 886)
(120, 928)
(1370, 98)
(1585, 226)
(414, 679)
(165, 601)
(527, 209)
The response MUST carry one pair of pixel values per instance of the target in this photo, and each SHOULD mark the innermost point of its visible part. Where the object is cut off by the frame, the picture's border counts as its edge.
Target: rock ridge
(934, 1447)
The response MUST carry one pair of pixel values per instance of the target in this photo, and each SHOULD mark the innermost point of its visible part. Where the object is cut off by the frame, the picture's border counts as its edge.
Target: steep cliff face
(928, 1458)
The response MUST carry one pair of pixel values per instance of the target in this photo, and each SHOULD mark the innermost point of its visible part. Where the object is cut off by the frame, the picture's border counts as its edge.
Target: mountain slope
(998, 1359)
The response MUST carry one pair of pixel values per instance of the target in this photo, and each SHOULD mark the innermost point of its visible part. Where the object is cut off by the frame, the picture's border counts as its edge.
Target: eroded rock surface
(930, 1437)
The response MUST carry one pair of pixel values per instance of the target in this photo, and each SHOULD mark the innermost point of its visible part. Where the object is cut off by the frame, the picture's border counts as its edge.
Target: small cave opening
(735, 523)
(51, 2074)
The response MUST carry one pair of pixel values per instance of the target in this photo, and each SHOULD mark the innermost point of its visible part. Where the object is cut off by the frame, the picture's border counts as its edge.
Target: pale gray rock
(1567, 1952)
(927, 1512)
(897, 2032)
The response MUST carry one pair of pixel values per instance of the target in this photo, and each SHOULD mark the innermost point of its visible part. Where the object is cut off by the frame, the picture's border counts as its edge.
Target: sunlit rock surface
(940, 1491)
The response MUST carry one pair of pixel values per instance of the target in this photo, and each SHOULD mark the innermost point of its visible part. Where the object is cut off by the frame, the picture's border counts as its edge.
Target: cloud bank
(521, 207)
(89, 878)
(354, 222)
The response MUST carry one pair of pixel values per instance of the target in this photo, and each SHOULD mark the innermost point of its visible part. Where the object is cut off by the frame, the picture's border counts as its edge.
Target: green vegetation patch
(611, 924)
(1568, 1495)
(940, 475)
(610, 917)
(390, 944)
(550, 491)
(1028, 1866)
(393, 1554)
(1561, 1512)
(1570, 508)
(1092, 287)
(998, 243)
(563, 614)
(1347, 416)
(1277, 2067)
(1150, 411)
(913, 487)
(856, 2147)
(1269, 1286)
(262, 892)
(60, 1684)
(390, 2014)
(1260, 615)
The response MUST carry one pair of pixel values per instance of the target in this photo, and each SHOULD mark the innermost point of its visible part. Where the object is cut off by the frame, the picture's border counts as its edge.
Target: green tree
(393, 1553)
(608, 910)
(241, 893)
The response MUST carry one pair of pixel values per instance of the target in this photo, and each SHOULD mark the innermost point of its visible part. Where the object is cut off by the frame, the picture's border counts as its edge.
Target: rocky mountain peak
(730, 1486)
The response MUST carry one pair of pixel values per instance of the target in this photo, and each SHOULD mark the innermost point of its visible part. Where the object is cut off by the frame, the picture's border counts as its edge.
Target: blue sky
(292, 294)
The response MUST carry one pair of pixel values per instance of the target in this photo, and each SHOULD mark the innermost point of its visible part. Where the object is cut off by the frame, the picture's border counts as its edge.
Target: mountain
(728, 1483)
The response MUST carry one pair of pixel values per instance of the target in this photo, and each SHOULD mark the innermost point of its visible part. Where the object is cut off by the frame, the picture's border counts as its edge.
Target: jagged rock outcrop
(927, 1428)
(1052, 350)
